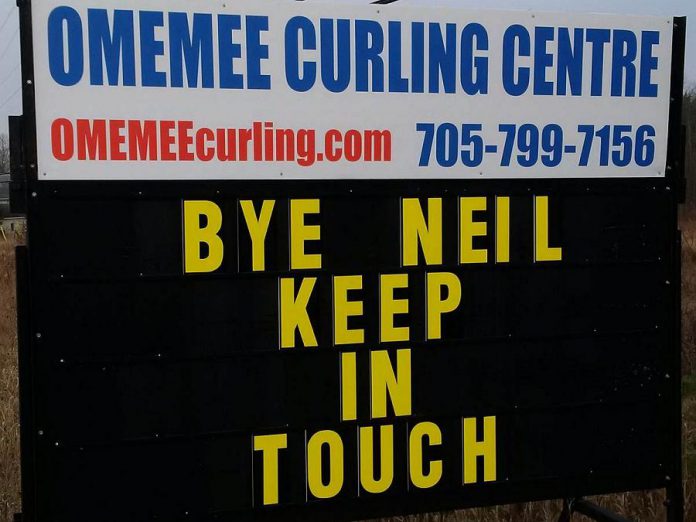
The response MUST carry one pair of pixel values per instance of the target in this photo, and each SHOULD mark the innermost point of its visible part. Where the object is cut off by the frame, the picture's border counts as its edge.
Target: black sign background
(141, 387)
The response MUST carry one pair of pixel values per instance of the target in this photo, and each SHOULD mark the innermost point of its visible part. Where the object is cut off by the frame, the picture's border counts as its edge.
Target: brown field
(9, 412)
(645, 507)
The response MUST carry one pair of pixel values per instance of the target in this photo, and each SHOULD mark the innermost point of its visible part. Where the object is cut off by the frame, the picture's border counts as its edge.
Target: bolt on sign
(334, 261)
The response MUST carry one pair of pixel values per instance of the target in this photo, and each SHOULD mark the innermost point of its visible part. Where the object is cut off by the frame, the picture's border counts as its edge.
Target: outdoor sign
(313, 261)
(269, 91)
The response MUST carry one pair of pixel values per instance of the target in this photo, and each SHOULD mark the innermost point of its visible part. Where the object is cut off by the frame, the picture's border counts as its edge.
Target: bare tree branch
(4, 154)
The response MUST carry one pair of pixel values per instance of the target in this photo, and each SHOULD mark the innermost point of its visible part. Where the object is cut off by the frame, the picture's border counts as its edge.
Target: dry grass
(645, 507)
(9, 407)
(688, 225)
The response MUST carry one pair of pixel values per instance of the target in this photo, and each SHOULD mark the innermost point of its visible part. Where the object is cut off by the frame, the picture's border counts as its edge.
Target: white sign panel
(269, 90)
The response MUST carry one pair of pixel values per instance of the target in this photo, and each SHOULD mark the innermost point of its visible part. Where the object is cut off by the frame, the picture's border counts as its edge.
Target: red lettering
(285, 145)
(142, 140)
(117, 139)
(377, 145)
(245, 137)
(167, 140)
(353, 147)
(258, 141)
(227, 144)
(62, 142)
(91, 139)
(185, 141)
(332, 152)
(204, 151)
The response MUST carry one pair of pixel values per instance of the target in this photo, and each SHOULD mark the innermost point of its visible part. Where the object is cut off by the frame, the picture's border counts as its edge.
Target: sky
(10, 77)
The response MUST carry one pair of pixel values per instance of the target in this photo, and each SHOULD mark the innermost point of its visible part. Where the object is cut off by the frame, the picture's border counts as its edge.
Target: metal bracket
(567, 512)
(680, 177)
(590, 510)
(18, 178)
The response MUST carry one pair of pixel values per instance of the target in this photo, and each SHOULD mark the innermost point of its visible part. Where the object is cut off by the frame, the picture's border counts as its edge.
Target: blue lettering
(229, 50)
(598, 38)
(397, 83)
(516, 42)
(111, 47)
(623, 70)
(192, 48)
(543, 60)
(474, 70)
(339, 80)
(570, 61)
(648, 63)
(68, 17)
(418, 57)
(256, 51)
(442, 58)
(304, 81)
(369, 44)
(150, 48)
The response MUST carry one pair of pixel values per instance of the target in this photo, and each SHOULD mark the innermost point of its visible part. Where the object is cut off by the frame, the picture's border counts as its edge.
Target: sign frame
(30, 192)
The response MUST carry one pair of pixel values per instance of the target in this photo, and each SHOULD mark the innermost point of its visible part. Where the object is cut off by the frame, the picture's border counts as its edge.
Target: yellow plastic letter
(502, 230)
(389, 307)
(542, 250)
(343, 309)
(419, 477)
(195, 236)
(301, 233)
(317, 486)
(384, 381)
(468, 229)
(367, 457)
(349, 392)
(258, 228)
(416, 231)
(474, 448)
(270, 445)
(293, 312)
(437, 305)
